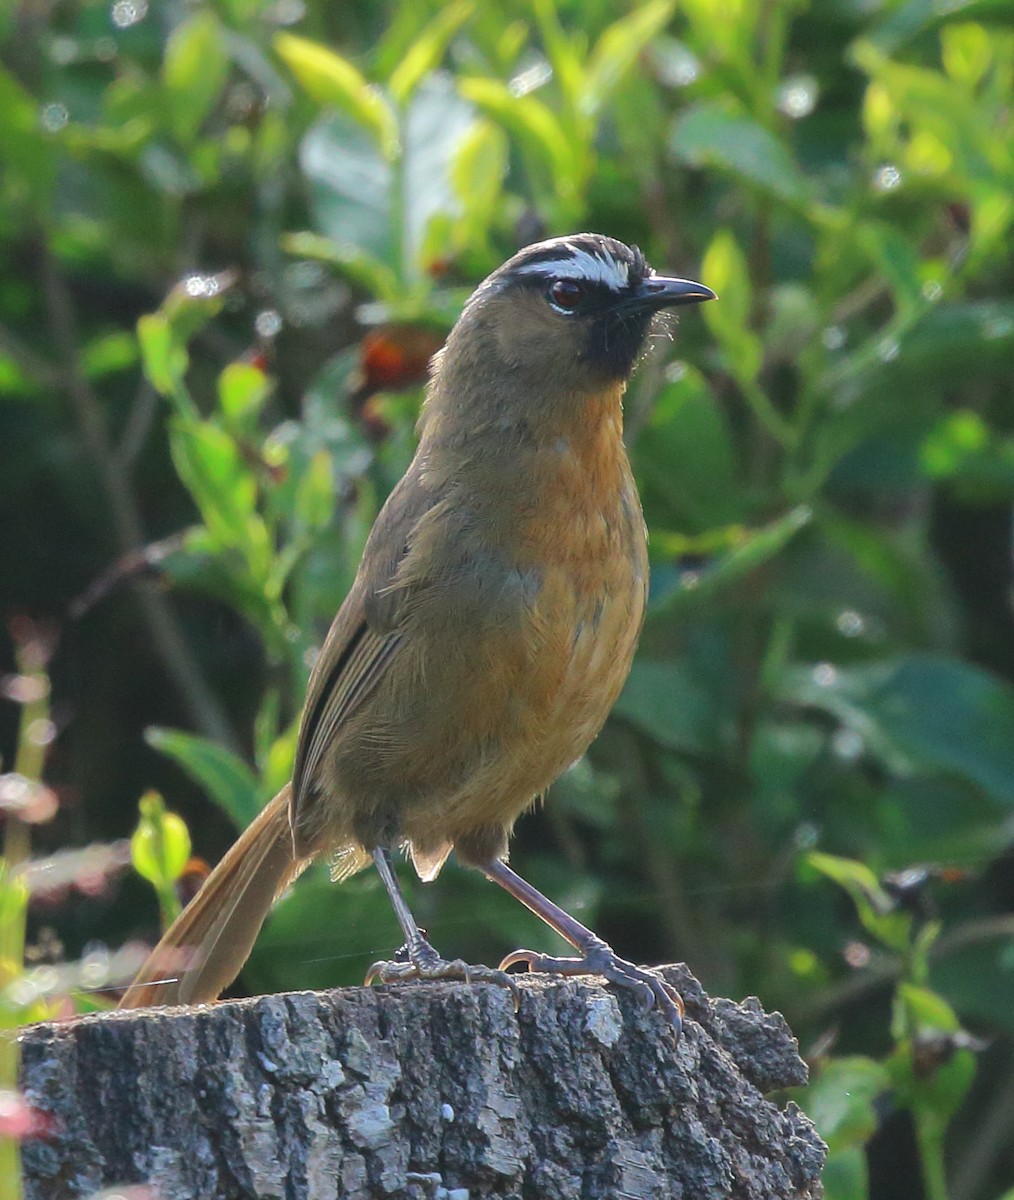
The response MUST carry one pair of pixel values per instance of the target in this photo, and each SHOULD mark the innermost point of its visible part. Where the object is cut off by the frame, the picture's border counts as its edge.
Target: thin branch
(163, 624)
(886, 970)
(138, 426)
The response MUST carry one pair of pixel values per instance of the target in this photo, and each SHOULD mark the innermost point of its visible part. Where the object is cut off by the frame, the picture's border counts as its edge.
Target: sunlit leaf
(755, 548)
(927, 1010)
(195, 69)
(533, 123)
(618, 48)
(315, 492)
(224, 488)
(328, 78)
(165, 361)
(725, 268)
(242, 389)
(932, 101)
(427, 49)
(160, 846)
(350, 260)
(967, 52)
(477, 175)
(360, 198)
(564, 49)
(109, 353)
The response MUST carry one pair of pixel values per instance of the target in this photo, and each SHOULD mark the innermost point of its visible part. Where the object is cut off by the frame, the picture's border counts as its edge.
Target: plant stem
(929, 1137)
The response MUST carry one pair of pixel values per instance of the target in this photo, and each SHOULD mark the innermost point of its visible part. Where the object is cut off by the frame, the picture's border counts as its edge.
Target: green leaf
(242, 390)
(351, 261)
(330, 79)
(713, 135)
(280, 758)
(224, 489)
(927, 1011)
(109, 353)
(841, 1100)
(618, 49)
(315, 492)
(845, 1175)
(477, 175)
(685, 460)
(932, 102)
(201, 566)
(351, 189)
(160, 846)
(909, 20)
(876, 910)
(957, 438)
(725, 268)
(427, 50)
(922, 714)
(671, 703)
(931, 1075)
(28, 154)
(564, 51)
(534, 125)
(165, 361)
(436, 125)
(756, 547)
(897, 261)
(362, 200)
(195, 69)
(226, 777)
(967, 52)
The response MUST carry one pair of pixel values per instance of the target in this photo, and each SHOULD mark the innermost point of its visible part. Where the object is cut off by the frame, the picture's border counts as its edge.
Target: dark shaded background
(825, 459)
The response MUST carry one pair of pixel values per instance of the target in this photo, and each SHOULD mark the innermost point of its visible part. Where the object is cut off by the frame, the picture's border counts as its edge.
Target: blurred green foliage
(231, 233)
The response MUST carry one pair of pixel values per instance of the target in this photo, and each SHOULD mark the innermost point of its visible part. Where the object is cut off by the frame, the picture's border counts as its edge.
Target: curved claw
(437, 968)
(600, 960)
(390, 971)
(534, 960)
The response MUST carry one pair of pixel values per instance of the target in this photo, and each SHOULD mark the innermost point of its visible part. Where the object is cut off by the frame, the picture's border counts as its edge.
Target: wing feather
(352, 678)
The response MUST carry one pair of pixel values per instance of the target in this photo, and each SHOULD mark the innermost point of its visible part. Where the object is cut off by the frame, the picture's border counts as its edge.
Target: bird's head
(572, 312)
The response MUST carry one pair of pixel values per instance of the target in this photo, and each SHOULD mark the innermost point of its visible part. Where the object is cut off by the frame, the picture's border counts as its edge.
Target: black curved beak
(659, 291)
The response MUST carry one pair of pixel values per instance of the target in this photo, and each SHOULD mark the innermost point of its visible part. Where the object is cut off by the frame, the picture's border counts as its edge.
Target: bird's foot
(420, 961)
(599, 959)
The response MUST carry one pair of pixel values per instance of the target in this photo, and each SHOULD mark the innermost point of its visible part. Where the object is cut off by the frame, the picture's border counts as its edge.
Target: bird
(489, 629)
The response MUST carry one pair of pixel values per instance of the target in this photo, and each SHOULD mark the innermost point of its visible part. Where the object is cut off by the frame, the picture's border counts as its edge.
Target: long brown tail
(205, 947)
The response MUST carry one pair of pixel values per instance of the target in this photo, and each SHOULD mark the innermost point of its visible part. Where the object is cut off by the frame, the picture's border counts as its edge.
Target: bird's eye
(565, 295)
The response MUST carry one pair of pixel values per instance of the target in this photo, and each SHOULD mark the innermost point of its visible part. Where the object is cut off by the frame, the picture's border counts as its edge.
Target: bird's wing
(363, 639)
(355, 658)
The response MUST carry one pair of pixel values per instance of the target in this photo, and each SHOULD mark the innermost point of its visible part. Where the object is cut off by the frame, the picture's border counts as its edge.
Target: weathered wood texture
(423, 1092)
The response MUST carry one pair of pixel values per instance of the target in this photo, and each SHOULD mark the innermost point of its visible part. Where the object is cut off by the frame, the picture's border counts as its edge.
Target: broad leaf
(227, 778)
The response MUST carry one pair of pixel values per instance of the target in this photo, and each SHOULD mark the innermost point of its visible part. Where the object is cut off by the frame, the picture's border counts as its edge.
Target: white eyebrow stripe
(579, 264)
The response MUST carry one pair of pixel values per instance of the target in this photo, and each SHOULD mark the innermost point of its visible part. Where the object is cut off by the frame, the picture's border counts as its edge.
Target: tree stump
(436, 1091)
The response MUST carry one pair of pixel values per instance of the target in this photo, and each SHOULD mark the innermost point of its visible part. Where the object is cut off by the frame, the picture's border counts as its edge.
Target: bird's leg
(596, 957)
(417, 959)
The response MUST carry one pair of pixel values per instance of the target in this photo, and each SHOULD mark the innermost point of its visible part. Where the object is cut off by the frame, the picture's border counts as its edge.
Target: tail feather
(203, 950)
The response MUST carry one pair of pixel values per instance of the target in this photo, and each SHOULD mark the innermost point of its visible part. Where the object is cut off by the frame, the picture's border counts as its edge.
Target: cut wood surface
(436, 1091)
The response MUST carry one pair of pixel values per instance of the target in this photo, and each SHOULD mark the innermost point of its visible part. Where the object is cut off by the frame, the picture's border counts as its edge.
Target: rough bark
(423, 1092)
